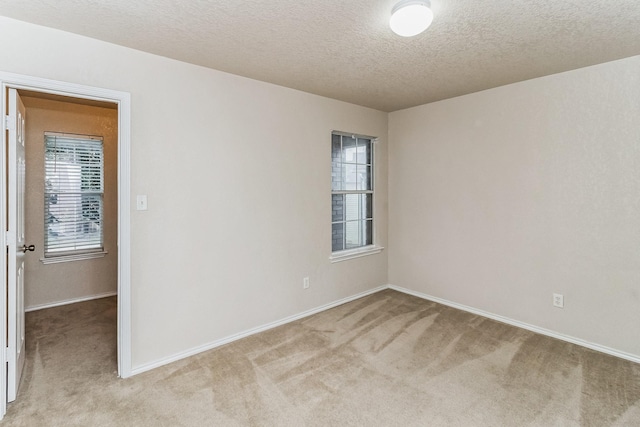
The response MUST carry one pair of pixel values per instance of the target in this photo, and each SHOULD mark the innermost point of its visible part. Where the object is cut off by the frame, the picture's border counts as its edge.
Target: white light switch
(141, 202)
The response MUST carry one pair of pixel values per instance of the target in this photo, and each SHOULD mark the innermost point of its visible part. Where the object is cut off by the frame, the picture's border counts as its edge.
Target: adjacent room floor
(388, 359)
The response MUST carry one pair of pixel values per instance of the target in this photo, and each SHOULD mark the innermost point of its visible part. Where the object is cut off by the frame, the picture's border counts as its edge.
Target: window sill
(355, 253)
(74, 257)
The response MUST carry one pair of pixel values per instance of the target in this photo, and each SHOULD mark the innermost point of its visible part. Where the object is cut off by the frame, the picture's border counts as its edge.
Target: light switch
(141, 202)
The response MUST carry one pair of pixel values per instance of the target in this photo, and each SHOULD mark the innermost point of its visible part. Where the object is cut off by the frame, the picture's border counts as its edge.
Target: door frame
(123, 101)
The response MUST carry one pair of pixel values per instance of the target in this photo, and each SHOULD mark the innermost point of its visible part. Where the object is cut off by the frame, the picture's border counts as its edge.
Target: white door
(16, 243)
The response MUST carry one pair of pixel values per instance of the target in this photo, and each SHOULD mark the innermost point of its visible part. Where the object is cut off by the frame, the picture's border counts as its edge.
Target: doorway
(43, 89)
(71, 204)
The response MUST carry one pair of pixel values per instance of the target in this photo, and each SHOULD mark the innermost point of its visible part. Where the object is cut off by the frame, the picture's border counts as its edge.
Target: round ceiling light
(411, 17)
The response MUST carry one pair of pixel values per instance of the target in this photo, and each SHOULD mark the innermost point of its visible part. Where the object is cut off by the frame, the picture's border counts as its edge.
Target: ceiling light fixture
(411, 17)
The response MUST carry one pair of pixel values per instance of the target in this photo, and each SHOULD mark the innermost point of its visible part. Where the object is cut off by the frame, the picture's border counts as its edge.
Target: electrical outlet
(305, 283)
(558, 300)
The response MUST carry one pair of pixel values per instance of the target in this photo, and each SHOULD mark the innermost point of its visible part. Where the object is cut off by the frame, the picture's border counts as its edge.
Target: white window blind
(73, 195)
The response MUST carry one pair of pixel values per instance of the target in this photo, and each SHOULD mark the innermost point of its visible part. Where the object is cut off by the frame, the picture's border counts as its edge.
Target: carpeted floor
(388, 359)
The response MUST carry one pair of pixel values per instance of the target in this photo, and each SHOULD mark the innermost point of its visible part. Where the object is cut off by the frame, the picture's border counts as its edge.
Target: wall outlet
(558, 300)
(305, 283)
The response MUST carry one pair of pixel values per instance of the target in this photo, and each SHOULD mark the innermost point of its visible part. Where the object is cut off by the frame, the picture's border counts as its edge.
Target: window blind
(74, 193)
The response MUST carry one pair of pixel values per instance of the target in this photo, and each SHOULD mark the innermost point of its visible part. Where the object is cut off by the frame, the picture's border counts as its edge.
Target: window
(351, 192)
(73, 194)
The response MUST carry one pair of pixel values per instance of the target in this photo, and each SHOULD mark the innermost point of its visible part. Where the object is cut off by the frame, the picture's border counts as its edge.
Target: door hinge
(9, 123)
(9, 238)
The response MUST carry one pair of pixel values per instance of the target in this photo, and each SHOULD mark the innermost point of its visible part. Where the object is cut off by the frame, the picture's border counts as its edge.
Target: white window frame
(76, 254)
(373, 248)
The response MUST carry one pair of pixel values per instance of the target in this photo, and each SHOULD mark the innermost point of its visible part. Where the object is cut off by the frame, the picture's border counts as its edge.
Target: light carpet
(388, 359)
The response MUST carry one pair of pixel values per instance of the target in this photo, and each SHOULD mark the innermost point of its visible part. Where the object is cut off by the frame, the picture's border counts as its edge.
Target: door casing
(123, 100)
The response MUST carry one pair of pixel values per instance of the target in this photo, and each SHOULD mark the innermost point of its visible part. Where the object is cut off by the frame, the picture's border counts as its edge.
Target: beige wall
(52, 283)
(500, 198)
(237, 174)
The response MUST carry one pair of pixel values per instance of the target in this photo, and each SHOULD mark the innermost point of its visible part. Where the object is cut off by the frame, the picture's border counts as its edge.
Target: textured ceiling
(344, 49)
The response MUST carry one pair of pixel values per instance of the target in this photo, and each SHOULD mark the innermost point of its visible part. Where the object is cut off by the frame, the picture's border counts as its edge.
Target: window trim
(373, 248)
(53, 257)
(73, 257)
(346, 254)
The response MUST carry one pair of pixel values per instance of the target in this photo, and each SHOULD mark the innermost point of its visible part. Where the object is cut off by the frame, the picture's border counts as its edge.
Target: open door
(12, 349)
(16, 244)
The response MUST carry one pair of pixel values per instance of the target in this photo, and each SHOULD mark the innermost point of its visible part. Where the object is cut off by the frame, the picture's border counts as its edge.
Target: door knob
(26, 248)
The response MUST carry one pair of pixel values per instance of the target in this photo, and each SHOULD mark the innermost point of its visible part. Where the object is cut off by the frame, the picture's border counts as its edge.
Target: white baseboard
(512, 322)
(217, 343)
(193, 351)
(69, 301)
